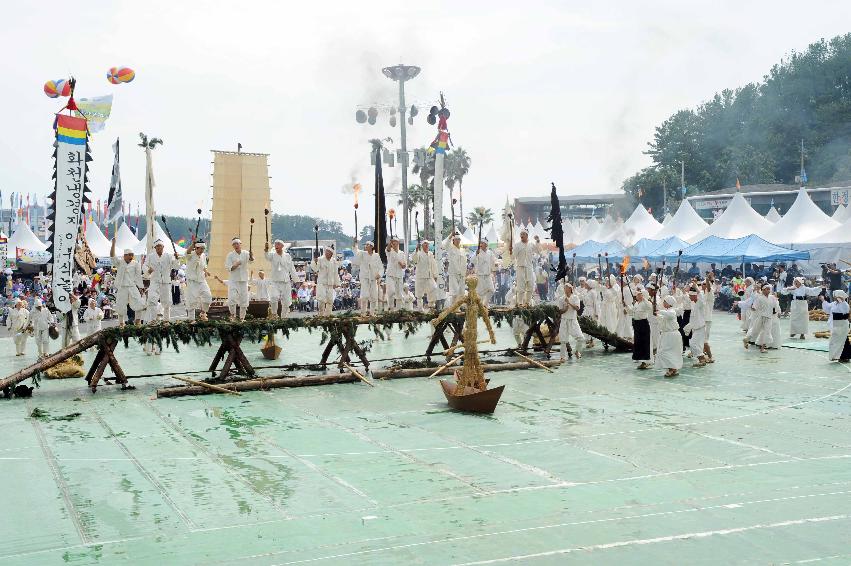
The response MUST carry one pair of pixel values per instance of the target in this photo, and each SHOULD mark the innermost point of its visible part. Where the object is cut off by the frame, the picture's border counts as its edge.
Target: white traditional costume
(641, 311)
(669, 354)
(327, 278)
(127, 285)
(19, 319)
(282, 277)
(696, 326)
(159, 267)
(484, 264)
(41, 319)
(457, 271)
(236, 263)
(395, 279)
(371, 268)
(763, 308)
(425, 277)
(799, 312)
(839, 347)
(93, 317)
(70, 323)
(198, 295)
(569, 325)
(524, 269)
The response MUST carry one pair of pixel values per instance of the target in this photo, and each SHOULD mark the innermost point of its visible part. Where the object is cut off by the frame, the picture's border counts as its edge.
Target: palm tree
(426, 173)
(459, 169)
(480, 215)
(416, 197)
(151, 143)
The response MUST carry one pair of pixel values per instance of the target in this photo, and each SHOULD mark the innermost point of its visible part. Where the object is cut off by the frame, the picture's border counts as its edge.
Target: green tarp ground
(744, 461)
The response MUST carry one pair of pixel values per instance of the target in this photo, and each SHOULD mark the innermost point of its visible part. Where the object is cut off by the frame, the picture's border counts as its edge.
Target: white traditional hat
(200, 244)
(369, 243)
(278, 241)
(799, 280)
(159, 242)
(766, 286)
(670, 300)
(236, 241)
(840, 294)
(37, 302)
(128, 251)
(524, 230)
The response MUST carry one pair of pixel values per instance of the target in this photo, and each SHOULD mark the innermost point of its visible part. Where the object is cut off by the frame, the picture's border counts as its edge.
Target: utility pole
(402, 73)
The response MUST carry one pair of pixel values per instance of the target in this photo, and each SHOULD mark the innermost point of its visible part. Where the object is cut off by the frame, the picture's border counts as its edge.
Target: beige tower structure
(240, 192)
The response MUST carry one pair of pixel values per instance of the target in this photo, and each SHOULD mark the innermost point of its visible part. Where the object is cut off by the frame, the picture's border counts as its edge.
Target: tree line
(753, 133)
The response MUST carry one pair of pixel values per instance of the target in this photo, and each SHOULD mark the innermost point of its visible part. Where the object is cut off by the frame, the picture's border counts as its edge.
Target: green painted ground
(744, 461)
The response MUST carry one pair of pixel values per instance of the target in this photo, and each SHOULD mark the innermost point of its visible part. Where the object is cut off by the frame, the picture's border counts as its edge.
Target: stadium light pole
(402, 73)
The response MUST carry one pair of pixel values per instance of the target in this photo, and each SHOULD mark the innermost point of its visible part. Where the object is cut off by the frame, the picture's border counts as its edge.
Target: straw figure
(471, 374)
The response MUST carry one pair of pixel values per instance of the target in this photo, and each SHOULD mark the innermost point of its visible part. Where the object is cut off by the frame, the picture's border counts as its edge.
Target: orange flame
(356, 190)
(624, 265)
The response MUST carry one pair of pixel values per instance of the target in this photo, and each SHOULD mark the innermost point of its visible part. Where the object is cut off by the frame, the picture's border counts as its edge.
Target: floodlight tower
(401, 73)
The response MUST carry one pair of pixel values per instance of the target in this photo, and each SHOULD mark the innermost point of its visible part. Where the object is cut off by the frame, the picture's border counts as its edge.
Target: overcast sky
(539, 91)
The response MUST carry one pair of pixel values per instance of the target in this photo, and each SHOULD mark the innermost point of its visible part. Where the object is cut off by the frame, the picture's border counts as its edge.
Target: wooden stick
(531, 361)
(451, 350)
(207, 385)
(358, 375)
(446, 365)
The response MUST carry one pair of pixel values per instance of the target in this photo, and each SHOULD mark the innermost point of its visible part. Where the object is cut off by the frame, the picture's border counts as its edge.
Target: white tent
(684, 224)
(641, 224)
(491, 235)
(772, 215)
(611, 229)
(831, 246)
(571, 235)
(540, 231)
(803, 222)
(98, 243)
(739, 219)
(141, 248)
(840, 214)
(24, 239)
(469, 236)
(666, 219)
(125, 239)
(589, 230)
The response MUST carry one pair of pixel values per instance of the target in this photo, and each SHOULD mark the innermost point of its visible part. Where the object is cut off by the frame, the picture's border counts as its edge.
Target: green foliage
(754, 133)
(480, 215)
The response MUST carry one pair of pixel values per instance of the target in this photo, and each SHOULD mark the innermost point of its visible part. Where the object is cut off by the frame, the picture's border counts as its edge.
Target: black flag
(380, 233)
(557, 234)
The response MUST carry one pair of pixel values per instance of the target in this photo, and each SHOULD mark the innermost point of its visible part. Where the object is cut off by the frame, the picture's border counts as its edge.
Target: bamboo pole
(531, 361)
(446, 365)
(207, 385)
(358, 375)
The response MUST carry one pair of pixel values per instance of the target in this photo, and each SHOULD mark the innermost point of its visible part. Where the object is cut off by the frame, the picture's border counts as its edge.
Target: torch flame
(624, 265)
(356, 189)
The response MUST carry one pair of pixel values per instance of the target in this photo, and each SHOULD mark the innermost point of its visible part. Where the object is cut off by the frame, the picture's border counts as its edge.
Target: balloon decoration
(57, 88)
(118, 75)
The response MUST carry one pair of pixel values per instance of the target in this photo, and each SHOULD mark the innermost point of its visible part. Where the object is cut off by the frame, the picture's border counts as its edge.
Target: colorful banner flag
(69, 197)
(96, 111)
(115, 202)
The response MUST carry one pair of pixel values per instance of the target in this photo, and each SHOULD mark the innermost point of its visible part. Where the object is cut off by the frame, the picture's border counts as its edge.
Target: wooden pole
(531, 361)
(207, 385)
(358, 375)
(446, 365)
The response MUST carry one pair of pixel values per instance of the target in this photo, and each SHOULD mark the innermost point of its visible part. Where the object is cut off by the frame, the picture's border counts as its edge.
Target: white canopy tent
(491, 235)
(589, 230)
(24, 239)
(98, 243)
(571, 235)
(739, 219)
(641, 224)
(772, 215)
(666, 219)
(124, 239)
(141, 247)
(802, 222)
(685, 224)
(831, 246)
(840, 214)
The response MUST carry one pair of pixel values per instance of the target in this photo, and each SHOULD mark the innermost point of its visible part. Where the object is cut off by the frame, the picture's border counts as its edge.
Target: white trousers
(760, 330)
(697, 340)
(525, 285)
(237, 294)
(161, 291)
(280, 292)
(21, 342)
(485, 288)
(42, 341)
(395, 297)
(426, 287)
(131, 296)
(456, 286)
(198, 295)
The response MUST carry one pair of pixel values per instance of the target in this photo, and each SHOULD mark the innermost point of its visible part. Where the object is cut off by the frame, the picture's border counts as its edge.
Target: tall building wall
(240, 192)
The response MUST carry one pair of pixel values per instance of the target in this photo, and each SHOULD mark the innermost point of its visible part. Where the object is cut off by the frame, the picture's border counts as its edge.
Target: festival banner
(96, 111)
(71, 157)
(115, 202)
(4, 253)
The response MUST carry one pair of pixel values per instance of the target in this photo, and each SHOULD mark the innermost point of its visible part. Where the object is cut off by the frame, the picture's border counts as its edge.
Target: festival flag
(96, 111)
(71, 157)
(557, 233)
(379, 236)
(181, 242)
(115, 202)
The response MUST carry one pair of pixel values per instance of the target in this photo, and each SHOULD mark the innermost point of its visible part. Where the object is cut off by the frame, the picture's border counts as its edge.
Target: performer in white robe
(457, 268)
(518, 327)
(709, 294)
(746, 313)
(669, 354)
(261, 287)
(839, 347)
(282, 277)
(70, 323)
(40, 320)
(569, 328)
(128, 285)
(93, 317)
(591, 300)
(655, 304)
(371, 268)
(198, 295)
(484, 264)
(764, 307)
(236, 262)
(696, 327)
(610, 307)
(394, 276)
(523, 255)
(799, 313)
(19, 320)
(624, 327)
(158, 267)
(425, 276)
(640, 312)
(327, 281)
